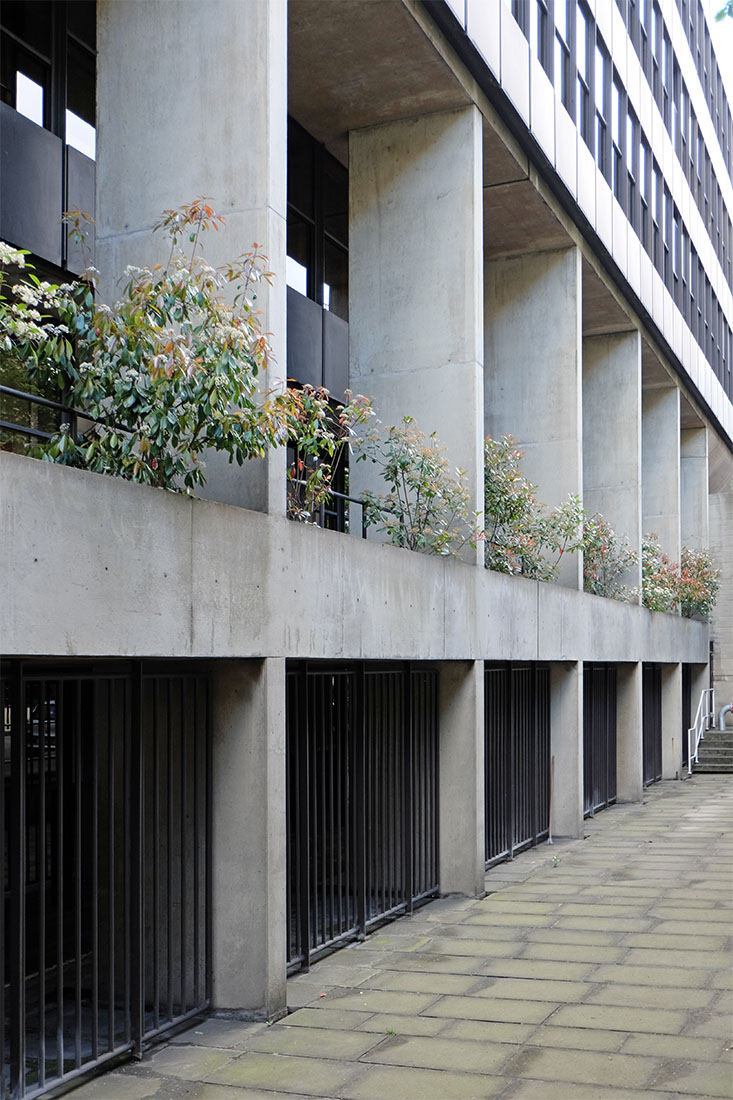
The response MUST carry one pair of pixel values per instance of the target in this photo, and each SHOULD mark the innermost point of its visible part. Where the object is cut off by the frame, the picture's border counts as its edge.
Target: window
(584, 58)
(602, 96)
(563, 84)
(318, 223)
(617, 97)
(48, 66)
(540, 34)
(632, 168)
(645, 160)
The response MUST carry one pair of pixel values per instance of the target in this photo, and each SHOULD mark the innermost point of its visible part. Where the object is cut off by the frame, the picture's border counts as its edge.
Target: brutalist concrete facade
(496, 285)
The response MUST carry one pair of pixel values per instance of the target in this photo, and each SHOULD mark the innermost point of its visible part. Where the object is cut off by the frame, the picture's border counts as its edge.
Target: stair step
(712, 769)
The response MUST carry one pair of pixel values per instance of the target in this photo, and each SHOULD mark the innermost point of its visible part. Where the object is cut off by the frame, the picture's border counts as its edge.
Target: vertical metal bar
(410, 683)
(17, 854)
(78, 764)
(96, 709)
(169, 850)
(41, 751)
(59, 732)
(208, 791)
(196, 861)
(111, 867)
(137, 1008)
(301, 730)
(6, 703)
(182, 855)
(357, 735)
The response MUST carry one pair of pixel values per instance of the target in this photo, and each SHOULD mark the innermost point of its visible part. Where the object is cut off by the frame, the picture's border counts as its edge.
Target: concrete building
(233, 742)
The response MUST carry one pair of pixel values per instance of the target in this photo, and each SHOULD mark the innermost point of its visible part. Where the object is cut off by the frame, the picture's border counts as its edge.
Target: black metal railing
(333, 512)
(106, 865)
(517, 758)
(652, 723)
(362, 782)
(599, 737)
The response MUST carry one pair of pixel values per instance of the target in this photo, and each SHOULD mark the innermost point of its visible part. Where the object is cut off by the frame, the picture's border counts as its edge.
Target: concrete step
(712, 769)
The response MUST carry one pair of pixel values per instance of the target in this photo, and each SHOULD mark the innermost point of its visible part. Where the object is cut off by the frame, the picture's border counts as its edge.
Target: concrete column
(249, 920)
(192, 100)
(461, 786)
(629, 742)
(566, 724)
(660, 446)
(671, 721)
(415, 279)
(694, 520)
(612, 435)
(532, 374)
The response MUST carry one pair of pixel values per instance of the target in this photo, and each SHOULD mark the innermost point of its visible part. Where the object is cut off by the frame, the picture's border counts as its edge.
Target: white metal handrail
(704, 720)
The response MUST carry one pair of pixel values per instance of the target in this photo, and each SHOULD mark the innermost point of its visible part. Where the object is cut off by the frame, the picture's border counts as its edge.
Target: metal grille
(105, 809)
(517, 758)
(362, 766)
(599, 737)
(652, 723)
(687, 716)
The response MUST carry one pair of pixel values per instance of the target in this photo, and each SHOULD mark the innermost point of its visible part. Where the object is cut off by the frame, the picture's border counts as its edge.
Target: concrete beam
(461, 784)
(248, 849)
(612, 435)
(415, 282)
(532, 377)
(629, 741)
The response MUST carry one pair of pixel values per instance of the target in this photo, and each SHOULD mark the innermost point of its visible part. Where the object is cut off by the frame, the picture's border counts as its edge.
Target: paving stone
(582, 1067)
(514, 920)
(487, 1031)
(479, 950)
(630, 974)
(405, 981)
(229, 1092)
(674, 1046)
(649, 956)
(580, 936)
(620, 1018)
(437, 1053)
(697, 1079)
(384, 1024)
(578, 1038)
(375, 1000)
(531, 968)
(325, 1017)
(691, 929)
(563, 1090)
(713, 1026)
(314, 1042)
(606, 924)
(699, 917)
(572, 952)
(194, 1063)
(229, 1034)
(308, 1076)
(399, 1083)
(647, 996)
(540, 990)
(118, 1086)
(602, 909)
(432, 963)
(506, 904)
(671, 942)
(480, 1008)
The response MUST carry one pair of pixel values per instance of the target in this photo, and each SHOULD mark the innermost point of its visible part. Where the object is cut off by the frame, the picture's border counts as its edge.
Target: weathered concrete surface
(595, 969)
(721, 545)
(97, 566)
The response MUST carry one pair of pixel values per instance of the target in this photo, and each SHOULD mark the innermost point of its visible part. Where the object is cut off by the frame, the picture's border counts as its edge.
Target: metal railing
(333, 512)
(704, 720)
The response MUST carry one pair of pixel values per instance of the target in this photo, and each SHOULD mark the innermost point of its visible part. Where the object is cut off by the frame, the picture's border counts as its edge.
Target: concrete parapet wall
(95, 566)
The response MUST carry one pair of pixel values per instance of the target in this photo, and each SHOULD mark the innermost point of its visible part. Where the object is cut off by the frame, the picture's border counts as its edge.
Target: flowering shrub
(319, 431)
(606, 558)
(659, 580)
(698, 584)
(520, 536)
(427, 505)
(168, 372)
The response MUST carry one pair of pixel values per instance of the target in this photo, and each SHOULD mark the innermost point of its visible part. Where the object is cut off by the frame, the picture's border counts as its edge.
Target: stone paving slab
(597, 969)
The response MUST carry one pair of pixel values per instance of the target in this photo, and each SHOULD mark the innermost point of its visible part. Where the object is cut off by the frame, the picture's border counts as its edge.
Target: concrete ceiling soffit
(654, 374)
(603, 313)
(518, 220)
(353, 64)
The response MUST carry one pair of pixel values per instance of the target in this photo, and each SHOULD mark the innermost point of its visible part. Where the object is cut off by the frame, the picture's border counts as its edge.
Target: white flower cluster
(10, 255)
